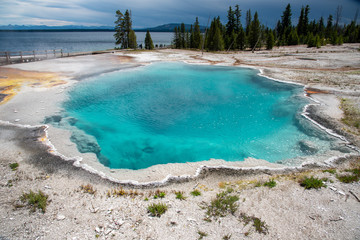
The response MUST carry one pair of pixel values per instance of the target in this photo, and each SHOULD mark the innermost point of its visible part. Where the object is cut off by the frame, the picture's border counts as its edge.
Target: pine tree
(286, 24)
(237, 13)
(214, 38)
(248, 22)
(123, 28)
(254, 34)
(197, 34)
(148, 41)
(270, 40)
(132, 39)
(241, 39)
(329, 27)
(119, 29)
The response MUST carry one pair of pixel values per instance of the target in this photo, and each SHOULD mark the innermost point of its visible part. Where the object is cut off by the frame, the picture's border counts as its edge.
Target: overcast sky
(151, 13)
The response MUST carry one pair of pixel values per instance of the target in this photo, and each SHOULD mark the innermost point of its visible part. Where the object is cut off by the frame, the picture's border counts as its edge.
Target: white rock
(341, 192)
(60, 217)
(16, 120)
(97, 229)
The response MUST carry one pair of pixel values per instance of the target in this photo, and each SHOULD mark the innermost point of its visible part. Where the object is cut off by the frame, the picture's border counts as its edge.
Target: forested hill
(162, 28)
(168, 28)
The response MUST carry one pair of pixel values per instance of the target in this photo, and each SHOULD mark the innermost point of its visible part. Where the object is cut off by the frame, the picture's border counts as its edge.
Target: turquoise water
(175, 113)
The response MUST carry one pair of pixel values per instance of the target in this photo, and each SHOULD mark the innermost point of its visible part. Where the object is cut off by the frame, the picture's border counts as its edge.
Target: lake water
(176, 113)
(70, 41)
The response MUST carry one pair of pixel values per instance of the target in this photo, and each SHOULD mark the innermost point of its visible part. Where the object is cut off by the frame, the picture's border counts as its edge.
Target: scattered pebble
(60, 217)
(16, 120)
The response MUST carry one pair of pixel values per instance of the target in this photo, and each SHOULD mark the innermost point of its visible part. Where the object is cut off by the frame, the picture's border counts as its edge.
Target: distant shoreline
(77, 30)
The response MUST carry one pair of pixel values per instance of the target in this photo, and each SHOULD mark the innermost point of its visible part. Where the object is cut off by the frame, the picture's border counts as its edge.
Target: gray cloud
(151, 13)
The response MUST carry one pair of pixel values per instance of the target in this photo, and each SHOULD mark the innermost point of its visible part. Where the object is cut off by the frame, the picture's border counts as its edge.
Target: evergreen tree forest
(255, 35)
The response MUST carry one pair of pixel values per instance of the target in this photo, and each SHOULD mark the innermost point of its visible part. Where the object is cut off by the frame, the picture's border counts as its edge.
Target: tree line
(125, 36)
(254, 35)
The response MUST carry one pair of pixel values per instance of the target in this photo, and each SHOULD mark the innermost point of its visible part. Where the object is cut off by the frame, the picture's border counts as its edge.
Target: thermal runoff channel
(176, 113)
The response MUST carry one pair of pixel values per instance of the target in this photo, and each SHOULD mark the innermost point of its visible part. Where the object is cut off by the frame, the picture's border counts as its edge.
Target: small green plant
(311, 182)
(180, 196)
(259, 225)
(222, 205)
(352, 176)
(332, 171)
(157, 209)
(14, 166)
(88, 189)
(271, 183)
(257, 184)
(35, 200)
(347, 178)
(155, 196)
(202, 234)
(161, 195)
(146, 199)
(195, 193)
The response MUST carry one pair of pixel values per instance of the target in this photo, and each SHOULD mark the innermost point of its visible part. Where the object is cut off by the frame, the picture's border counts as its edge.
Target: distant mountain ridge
(168, 28)
(162, 28)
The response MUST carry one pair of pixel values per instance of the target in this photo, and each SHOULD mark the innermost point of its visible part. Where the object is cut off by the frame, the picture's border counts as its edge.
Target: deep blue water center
(176, 113)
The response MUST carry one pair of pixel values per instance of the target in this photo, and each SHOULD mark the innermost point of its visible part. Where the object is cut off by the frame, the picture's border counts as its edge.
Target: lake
(70, 41)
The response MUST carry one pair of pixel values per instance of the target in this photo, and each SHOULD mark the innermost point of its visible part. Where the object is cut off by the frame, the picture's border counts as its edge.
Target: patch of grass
(180, 196)
(259, 225)
(352, 176)
(202, 234)
(223, 204)
(312, 182)
(35, 200)
(271, 183)
(14, 166)
(88, 189)
(351, 113)
(195, 193)
(332, 171)
(257, 184)
(157, 209)
(118, 192)
(347, 178)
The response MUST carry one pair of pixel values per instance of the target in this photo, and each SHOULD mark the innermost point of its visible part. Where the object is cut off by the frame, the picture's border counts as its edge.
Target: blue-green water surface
(175, 113)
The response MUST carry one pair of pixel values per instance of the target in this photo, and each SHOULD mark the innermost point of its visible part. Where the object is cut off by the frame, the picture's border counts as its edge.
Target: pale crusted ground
(289, 211)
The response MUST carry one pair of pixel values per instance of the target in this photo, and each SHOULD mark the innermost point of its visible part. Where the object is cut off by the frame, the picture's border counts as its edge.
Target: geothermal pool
(175, 113)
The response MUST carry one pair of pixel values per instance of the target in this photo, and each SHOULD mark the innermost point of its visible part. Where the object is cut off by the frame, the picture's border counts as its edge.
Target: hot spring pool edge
(202, 170)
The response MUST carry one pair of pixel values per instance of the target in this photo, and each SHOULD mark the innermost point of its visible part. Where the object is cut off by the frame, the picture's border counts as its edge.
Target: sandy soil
(288, 211)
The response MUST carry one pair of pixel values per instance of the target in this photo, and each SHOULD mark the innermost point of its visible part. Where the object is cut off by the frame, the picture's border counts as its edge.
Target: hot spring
(176, 113)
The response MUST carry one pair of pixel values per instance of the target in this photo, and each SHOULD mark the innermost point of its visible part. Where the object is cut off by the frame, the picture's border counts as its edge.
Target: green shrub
(202, 234)
(180, 196)
(35, 200)
(347, 178)
(259, 225)
(14, 166)
(353, 177)
(271, 183)
(222, 205)
(312, 182)
(157, 209)
(195, 193)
